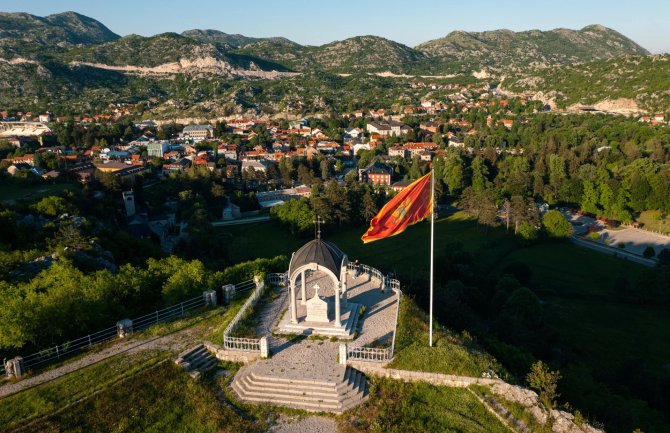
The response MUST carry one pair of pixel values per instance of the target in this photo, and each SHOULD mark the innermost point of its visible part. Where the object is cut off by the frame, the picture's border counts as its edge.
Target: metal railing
(72, 347)
(243, 344)
(376, 354)
(143, 322)
(277, 279)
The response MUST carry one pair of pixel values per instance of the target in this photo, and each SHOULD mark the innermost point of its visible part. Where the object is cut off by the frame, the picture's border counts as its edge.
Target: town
(336, 232)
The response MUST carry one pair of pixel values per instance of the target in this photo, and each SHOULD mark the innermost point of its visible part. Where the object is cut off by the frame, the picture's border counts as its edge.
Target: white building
(198, 132)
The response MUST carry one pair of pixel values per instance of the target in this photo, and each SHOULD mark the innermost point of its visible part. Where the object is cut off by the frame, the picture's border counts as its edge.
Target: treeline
(63, 302)
(353, 203)
(611, 167)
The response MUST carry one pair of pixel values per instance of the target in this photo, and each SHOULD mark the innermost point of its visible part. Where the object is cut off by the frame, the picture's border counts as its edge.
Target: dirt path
(174, 342)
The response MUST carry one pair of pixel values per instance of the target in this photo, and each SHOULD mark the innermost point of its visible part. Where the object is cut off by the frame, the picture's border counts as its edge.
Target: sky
(315, 22)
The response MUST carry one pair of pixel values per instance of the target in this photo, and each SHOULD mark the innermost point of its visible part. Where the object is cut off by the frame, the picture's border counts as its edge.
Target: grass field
(655, 221)
(33, 192)
(418, 407)
(36, 402)
(451, 354)
(160, 399)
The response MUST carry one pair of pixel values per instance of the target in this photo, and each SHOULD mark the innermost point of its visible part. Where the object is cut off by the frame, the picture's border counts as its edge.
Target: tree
(545, 382)
(368, 206)
(649, 252)
(51, 206)
(556, 225)
(452, 174)
(480, 174)
(527, 231)
(325, 169)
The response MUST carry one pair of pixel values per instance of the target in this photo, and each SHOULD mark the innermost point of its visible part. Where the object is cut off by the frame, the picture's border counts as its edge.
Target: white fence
(245, 344)
(376, 354)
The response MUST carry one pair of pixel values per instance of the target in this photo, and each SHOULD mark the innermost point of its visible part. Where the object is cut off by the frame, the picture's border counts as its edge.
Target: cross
(317, 227)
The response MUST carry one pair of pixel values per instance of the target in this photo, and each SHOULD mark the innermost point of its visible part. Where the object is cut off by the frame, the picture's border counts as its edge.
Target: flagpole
(432, 244)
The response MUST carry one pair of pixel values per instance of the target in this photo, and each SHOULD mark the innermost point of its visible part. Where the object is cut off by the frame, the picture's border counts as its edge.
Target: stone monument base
(346, 331)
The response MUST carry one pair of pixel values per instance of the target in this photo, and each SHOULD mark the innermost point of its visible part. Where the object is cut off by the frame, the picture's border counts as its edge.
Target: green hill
(24, 35)
(230, 40)
(505, 50)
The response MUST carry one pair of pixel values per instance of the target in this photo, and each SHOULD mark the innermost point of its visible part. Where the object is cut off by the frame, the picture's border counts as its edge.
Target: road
(259, 219)
(616, 252)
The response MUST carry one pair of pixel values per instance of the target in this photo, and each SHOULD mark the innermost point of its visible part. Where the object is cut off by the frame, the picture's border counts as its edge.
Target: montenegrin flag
(410, 206)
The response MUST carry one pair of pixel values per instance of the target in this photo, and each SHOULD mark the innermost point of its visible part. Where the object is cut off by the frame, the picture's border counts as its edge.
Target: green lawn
(418, 407)
(36, 402)
(160, 399)
(450, 354)
(34, 192)
(654, 221)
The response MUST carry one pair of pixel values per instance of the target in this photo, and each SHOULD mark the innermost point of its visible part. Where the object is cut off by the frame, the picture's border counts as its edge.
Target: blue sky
(316, 22)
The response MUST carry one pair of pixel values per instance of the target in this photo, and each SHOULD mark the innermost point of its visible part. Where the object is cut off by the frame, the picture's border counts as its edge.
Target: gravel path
(175, 342)
(310, 424)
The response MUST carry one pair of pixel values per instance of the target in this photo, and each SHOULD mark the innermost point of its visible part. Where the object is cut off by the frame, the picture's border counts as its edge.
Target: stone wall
(232, 355)
(378, 370)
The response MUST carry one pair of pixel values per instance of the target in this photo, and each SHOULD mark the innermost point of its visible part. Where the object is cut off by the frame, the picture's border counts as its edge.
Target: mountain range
(76, 53)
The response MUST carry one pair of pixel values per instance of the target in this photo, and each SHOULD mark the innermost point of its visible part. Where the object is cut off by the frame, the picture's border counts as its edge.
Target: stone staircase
(311, 395)
(196, 361)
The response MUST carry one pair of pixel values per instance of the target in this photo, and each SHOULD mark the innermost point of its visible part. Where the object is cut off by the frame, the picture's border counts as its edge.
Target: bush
(649, 252)
(527, 231)
(594, 236)
(556, 225)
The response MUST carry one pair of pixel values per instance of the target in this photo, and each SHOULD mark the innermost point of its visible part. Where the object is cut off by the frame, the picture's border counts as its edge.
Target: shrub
(649, 252)
(556, 225)
(594, 236)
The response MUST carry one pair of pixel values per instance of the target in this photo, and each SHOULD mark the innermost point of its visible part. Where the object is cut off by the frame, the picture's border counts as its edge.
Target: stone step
(302, 403)
(351, 378)
(196, 360)
(349, 392)
(248, 392)
(288, 381)
(352, 321)
(263, 387)
(193, 350)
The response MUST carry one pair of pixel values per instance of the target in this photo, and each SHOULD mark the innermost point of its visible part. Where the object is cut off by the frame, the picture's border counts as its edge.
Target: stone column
(265, 349)
(292, 306)
(14, 367)
(210, 297)
(124, 327)
(343, 354)
(344, 289)
(337, 306)
(303, 301)
(228, 292)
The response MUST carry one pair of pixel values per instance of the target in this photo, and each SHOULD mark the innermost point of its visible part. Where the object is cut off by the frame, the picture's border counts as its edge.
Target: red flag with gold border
(411, 205)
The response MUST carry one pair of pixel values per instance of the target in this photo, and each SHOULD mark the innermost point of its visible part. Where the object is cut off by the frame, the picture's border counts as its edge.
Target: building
(400, 185)
(387, 129)
(418, 149)
(198, 132)
(253, 165)
(397, 150)
(376, 173)
(158, 149)
(279, 196)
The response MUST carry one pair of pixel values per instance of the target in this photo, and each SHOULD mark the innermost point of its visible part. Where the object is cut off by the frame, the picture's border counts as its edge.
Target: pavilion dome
(321, 252)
